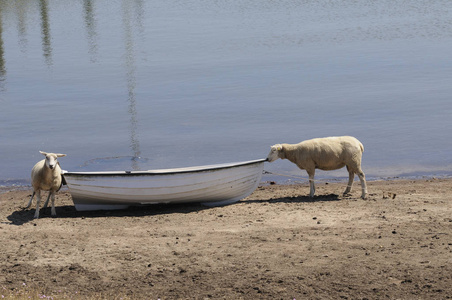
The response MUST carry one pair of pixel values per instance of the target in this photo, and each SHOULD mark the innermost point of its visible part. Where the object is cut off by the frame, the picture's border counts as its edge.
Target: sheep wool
(330, 153)
(46, 176)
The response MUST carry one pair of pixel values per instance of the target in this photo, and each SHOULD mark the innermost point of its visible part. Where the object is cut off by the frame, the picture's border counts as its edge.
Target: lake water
(137, 84)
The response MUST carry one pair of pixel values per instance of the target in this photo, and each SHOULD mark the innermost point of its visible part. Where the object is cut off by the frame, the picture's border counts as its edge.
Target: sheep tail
(361, 146)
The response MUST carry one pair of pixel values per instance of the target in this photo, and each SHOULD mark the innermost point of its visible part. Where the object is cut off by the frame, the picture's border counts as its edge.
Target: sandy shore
(276, 244)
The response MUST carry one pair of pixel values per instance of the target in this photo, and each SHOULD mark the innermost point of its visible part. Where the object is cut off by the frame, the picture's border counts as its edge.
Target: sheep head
(51, 159)
(276, 151)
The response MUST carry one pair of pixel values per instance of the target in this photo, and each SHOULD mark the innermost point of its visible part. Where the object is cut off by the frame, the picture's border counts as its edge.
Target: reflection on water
(45, 32)
(2, 58)
(131, 11)
(131, 82)
(22, 25)
(90, 24)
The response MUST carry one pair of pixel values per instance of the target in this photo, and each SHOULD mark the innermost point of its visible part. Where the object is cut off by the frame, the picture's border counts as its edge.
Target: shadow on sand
(24, 216)
(295, 199)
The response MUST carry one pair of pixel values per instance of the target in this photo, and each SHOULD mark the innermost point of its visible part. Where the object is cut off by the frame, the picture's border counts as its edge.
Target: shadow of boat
(21, 217)
(24, 216)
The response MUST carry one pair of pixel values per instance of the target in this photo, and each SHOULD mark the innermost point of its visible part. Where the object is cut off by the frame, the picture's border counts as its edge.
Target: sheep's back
(330, 153)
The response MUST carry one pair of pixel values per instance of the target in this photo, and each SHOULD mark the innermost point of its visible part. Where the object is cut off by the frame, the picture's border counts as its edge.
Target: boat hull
(212, 185)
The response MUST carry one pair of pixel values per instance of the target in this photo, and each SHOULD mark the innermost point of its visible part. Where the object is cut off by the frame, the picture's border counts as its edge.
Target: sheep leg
(53, 212)
(362, 178)
(47, 201)
(29, 202)
(351, 176)
(38, 200)
(311, 183)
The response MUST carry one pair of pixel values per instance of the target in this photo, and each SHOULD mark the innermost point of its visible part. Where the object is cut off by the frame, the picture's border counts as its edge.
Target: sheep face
(51, 159)
(275, 153)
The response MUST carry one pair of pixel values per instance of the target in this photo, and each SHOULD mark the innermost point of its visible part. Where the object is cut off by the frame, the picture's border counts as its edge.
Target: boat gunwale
(172, 171)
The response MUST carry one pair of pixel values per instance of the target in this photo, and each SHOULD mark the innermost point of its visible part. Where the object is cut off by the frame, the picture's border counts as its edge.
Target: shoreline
(267, 179)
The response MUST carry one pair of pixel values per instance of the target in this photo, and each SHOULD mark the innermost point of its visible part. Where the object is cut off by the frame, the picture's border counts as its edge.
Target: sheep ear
(279, 147)
(60, 155)
(43, 153)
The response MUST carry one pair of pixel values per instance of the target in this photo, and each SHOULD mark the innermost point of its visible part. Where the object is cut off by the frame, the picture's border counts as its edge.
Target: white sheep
(329, 153)
(46, 176)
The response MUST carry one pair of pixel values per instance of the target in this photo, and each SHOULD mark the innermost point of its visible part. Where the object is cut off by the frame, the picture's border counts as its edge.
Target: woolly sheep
(46, 176)
(329, 153)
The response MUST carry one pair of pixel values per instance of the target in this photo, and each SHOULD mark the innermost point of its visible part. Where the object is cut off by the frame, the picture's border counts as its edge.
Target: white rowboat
(212, 185)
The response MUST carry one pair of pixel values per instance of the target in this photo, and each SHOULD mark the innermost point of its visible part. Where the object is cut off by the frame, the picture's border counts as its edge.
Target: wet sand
(276, 244)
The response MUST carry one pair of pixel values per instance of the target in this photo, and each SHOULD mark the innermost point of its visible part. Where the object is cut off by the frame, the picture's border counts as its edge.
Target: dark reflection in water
(132, 15)
(2, 58)
(45, 32)
(131, 83)
(90, 23)
(22, 26)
